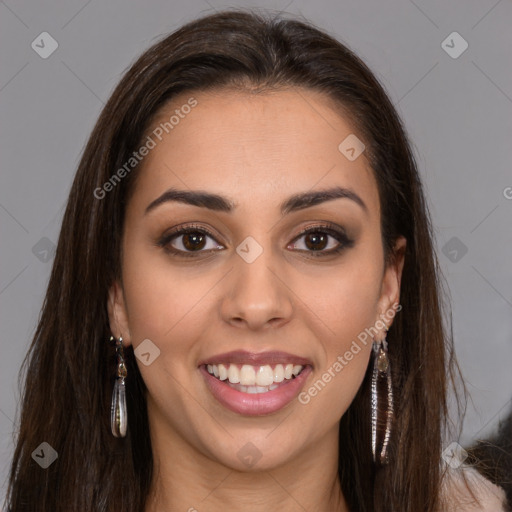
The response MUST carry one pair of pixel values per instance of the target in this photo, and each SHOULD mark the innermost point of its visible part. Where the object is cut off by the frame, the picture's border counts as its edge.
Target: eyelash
(327, 228)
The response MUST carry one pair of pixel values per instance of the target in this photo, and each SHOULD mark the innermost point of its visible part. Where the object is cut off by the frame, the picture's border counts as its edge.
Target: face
(243, 292)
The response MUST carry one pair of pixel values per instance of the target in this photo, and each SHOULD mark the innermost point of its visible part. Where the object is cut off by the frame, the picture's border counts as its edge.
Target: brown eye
(193, 241)
(316, 241)
(189, 241)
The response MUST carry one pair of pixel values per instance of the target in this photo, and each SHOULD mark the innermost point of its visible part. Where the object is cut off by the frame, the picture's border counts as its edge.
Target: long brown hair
(70, 365)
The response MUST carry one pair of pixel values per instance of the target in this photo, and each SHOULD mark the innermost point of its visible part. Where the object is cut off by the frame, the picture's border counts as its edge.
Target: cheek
(347, 306)
(165, 307)
(344, 299)
(348, 314)
(163, 303)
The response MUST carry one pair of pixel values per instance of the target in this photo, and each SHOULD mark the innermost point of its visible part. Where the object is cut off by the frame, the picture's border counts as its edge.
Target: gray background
(458, 112)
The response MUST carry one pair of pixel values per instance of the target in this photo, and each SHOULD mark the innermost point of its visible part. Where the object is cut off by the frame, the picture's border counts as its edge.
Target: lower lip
(256, 404)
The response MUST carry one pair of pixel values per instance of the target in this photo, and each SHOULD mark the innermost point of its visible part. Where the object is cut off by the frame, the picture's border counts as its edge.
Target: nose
(257, 295)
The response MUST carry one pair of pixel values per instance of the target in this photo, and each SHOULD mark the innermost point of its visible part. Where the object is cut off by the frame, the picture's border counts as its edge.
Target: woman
(248, 229)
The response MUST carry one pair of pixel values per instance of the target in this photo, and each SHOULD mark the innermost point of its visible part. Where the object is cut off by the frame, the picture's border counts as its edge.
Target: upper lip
(256, 358)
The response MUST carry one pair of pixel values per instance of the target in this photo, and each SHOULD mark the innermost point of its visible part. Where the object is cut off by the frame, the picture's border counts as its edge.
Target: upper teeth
(249, 375)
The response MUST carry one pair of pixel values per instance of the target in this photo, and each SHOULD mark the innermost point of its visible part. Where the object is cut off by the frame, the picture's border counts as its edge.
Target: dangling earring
(382, 402)
(118, 410)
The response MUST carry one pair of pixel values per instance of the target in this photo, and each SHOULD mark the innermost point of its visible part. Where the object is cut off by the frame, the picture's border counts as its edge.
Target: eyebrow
(222, 204)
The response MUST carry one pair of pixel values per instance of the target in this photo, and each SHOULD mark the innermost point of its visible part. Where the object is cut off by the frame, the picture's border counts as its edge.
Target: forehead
(252, 146)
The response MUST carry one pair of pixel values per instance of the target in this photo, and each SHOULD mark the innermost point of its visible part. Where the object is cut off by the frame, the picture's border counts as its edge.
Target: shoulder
(461, 486)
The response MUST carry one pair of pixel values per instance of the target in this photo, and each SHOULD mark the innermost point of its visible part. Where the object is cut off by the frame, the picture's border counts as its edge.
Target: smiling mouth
(254, 379)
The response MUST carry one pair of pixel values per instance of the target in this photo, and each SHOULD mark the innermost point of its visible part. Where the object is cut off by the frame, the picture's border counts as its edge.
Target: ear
(117, 314)
(390, 289)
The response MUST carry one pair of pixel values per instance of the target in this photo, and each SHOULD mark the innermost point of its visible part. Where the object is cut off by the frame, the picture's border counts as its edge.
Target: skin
(257, 150)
